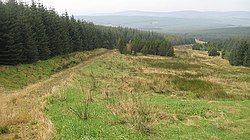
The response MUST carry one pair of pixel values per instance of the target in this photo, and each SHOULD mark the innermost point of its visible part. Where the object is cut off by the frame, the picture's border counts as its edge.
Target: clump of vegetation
(161, 85)
(213, 52)
(201, 89)
(166, 49)
(130, 109)
(198, 46)
(81, 109)
(4, 130)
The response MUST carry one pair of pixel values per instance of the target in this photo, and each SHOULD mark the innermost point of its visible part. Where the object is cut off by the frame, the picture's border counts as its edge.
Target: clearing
(114, 96)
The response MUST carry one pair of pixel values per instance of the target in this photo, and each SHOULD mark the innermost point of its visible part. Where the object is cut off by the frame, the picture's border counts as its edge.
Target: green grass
(101, 124)
(98, 126)
(17, 77)
(129, 103)
(208, 120)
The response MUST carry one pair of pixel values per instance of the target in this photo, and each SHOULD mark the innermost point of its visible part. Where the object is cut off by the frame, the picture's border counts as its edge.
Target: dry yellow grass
(211, 69)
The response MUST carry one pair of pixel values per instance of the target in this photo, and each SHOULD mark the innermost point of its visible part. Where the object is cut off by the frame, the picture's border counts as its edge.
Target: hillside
(29, 33)
(172, 22)
(190, 96)
(22, 114)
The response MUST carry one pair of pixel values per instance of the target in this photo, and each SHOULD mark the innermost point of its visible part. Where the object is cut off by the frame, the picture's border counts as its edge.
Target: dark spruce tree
(164, 48)
(11, 51)
(27, 38)
(5, 54)
(237, 54)
(38, 28)
(74, 33)
(52, 29)
(121, 45)
(247, 57)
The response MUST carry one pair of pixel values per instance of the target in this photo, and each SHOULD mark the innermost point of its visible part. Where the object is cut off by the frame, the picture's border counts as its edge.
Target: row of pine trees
(29, 33)
(32, 33)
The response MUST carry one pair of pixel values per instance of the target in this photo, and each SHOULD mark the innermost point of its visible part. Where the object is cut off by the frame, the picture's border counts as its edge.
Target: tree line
(236, 50)
(29, 33)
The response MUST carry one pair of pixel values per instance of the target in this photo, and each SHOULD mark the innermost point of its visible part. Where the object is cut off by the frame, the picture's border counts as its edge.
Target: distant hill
(173, 22)
(185, 14)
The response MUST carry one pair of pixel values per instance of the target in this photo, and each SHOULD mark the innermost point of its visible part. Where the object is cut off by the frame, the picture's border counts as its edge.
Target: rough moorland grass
(165, 63)
(172, 104)
(16, 77)
(201, 89)
(102, 122)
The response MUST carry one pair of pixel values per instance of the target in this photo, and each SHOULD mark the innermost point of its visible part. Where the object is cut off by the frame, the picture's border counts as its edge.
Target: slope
(22, 111)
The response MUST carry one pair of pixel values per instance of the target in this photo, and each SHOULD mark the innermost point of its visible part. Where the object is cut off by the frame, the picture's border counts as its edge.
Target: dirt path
(22, 111)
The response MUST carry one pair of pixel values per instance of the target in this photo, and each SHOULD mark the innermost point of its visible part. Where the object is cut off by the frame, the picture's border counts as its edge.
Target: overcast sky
(86, 7)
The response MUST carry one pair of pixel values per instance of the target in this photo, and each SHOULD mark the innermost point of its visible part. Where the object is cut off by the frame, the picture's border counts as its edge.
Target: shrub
(197, 46)
(247, 58)
(213, 52)
(4, 130)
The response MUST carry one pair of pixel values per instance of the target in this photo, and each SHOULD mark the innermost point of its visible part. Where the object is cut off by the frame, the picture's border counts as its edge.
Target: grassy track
(20, 76)
(191, 96)
(22, 111)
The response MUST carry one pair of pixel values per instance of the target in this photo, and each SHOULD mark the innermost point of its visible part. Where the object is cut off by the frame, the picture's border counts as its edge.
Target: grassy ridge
(152, 97)
(16, 77)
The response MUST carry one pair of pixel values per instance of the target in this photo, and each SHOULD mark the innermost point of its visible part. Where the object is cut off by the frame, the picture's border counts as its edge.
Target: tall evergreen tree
(121, 45)
(74, 34)
(82, 33)
(166, 49)
(237, 54)
(38, 28)
(51, 22)
(5, 54)
(13, 46)
(247, 57)
(29, 47)
(65, 29)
